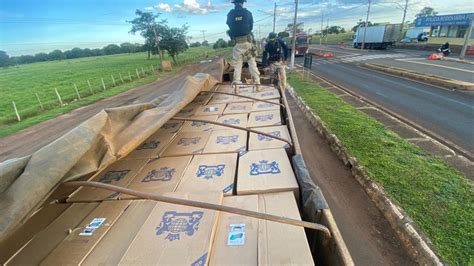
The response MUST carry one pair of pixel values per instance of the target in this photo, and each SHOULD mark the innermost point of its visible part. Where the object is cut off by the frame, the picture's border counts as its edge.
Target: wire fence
(83, 90)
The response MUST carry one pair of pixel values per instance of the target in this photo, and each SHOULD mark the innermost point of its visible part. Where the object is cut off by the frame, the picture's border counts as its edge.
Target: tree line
(111, 49)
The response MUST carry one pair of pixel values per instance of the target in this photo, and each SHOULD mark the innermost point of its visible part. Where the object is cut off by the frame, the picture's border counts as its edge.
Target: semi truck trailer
(377, 37)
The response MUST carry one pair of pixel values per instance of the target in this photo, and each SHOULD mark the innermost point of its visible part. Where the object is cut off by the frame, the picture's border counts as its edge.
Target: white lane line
(447, 67)
(410, 59)
(348, 55)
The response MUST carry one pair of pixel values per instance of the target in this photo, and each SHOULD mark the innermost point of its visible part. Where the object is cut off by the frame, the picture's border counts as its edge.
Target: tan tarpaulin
(106, 137)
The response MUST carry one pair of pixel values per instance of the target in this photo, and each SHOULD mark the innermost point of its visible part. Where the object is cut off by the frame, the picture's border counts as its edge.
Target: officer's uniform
(240, 22)
(274, 54)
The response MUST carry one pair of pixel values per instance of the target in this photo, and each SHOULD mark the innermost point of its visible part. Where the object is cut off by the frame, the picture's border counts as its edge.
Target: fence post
(16, 112)
(143, 72)
(90, 87)
(152, 69)
(103, 84)
(113, 80)
(129, 76)
(77, 91)
(59, 96)
(138, 75)
(39, 101)
(121, 78)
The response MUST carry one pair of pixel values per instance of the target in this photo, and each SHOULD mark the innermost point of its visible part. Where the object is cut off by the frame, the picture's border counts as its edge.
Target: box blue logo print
(163, 174)
(264, 167)
(264, 118)
(151, 145)
(266, 138)
(189, 141)
(210, 171)
(227, 139)
(175, 224)
(111, 176)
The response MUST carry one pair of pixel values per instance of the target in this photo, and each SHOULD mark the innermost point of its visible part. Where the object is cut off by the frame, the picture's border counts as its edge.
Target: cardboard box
(210, 109)
(223, 141)
(79, 243)
(154, 145)
(239, 120)
(210, 172)
(170, 127)
(281, 244)
(120, 174)
(175, 234)
(161, 175)
(267, 95)
(191, 126)
(265, 171)
(188, 110)
(264, 119)
(225, 88)
(221, 98)
(261, 142)
(115, 243)
(48, 239)
(187, 143)
(238, 108)
(264, 106)
(236, 241)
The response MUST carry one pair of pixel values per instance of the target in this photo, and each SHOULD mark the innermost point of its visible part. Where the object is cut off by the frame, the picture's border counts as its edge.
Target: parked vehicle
(302, 43)
(377, 37)
(423, 37)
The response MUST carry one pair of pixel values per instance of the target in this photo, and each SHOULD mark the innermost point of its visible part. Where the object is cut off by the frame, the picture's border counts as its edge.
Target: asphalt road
(449, 114)
(415, 60)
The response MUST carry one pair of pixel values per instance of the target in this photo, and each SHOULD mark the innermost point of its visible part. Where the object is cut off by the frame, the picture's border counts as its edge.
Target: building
(447, 28)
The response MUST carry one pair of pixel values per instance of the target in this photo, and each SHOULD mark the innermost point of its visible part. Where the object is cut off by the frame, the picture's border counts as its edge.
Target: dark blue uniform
(275, 52)
(240, 22)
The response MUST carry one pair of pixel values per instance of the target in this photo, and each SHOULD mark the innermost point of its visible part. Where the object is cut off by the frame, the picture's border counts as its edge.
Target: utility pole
(293, 48)
(327, 31)
(321, 35)
(467, 38)
(365, 28)
(204, 39)
(403, 20)
(274, 16)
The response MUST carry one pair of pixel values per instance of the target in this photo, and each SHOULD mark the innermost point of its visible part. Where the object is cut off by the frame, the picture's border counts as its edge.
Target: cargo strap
(242, 96)
(234, 127)
(243, 39)
(198, 204)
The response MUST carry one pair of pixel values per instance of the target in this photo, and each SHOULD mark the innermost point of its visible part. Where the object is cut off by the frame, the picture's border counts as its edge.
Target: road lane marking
(447, 67)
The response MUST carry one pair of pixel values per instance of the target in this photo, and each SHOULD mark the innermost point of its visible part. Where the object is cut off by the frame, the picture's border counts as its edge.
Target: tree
(127, 47)
(361, 24)
(56, 55)
(174, 40)
(334, 30)
(41, 57)
(299, 27)
(426, 12)
(4, 59)
(195, 44)
(149, 29)
(205, 43)
(283, 34)
(221, 43)
(112, 49)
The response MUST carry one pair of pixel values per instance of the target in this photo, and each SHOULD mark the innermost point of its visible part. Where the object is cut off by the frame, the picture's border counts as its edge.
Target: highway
(449, 114)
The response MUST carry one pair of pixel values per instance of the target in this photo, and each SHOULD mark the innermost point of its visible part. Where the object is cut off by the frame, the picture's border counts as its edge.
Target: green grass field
(436, 196)
(341, 38)
(21, 84)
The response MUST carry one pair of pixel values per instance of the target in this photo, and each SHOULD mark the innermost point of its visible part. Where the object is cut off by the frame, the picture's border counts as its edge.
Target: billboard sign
(447, 20)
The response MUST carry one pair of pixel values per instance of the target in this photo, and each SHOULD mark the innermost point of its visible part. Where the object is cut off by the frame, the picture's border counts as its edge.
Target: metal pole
(203, 40)
(321, 35)
(327, 31)
(274, 16)
(293, 48)
(403, 20)
(365, 28)
(466, 41)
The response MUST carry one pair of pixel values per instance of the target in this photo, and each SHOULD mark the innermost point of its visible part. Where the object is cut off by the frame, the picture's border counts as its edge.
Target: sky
(33, 26)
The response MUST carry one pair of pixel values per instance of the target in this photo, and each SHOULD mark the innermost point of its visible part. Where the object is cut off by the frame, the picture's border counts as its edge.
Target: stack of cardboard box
(197, 161)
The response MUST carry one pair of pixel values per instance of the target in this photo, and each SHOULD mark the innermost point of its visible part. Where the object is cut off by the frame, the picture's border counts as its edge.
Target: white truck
(377, 37)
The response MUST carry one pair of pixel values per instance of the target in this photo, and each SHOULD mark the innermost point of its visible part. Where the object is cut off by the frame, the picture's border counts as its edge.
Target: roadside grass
(20, 84)
(341, 38)
(436, 196)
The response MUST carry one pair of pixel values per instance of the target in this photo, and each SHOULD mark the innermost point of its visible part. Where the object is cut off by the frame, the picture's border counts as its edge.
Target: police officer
(275, 55)
(240, 22)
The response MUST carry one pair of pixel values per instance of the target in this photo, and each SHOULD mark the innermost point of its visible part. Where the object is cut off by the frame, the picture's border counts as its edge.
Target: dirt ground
(34, 138)
(368, 235)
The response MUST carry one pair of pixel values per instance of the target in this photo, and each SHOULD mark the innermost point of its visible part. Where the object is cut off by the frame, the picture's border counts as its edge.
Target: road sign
(308, 61)
(448, 20)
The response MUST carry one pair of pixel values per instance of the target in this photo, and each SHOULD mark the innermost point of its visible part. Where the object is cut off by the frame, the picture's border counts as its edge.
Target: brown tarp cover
(25, 183)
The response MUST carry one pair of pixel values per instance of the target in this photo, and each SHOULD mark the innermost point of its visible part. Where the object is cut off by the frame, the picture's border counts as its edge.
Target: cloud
(160, 7)
(193, 7)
